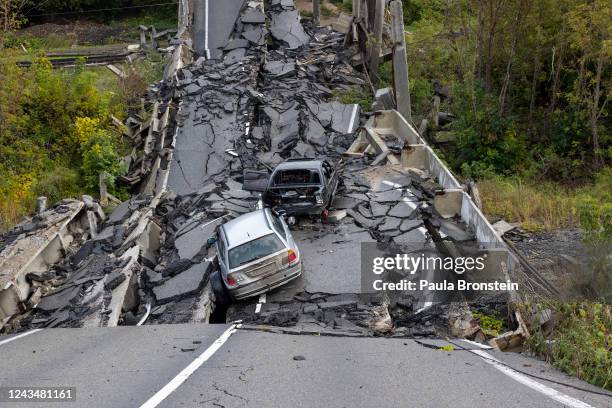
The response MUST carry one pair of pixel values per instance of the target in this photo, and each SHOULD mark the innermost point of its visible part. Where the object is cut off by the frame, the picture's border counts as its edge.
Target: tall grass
(536, 206)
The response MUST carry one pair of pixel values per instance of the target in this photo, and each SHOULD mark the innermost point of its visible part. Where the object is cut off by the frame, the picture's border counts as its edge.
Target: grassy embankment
(56, 133)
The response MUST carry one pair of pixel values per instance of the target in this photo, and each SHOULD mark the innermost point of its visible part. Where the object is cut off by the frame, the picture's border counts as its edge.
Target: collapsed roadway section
(250, 99)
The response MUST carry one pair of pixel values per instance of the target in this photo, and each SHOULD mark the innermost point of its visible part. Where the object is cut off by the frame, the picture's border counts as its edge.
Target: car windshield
(288, 177)
(254, 250)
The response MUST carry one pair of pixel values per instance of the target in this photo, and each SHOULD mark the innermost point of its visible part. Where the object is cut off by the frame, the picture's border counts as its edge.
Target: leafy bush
(580, 341)
(596, 209)
(54, 129)
(57, 183)
(491, 325)
(100, 155)
(486, 141)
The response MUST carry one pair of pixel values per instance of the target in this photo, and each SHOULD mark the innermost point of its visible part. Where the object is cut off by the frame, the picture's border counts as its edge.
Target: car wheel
(222, 295)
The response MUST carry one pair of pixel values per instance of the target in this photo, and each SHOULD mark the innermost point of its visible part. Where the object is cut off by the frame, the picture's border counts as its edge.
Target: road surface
(127, 366)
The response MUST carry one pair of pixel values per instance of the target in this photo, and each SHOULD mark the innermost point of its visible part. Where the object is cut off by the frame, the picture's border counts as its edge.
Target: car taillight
(292, 257)
(234, 278)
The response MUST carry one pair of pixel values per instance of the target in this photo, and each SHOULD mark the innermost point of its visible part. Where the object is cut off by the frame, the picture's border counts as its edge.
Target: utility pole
(316, 12)
(400, 62)
(376, 40)
(356, 9)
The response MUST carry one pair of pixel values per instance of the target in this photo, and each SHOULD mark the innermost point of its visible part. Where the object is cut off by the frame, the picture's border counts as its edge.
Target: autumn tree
(590, 38)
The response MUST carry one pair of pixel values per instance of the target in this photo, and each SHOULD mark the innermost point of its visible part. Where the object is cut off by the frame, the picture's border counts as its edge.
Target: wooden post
(103, 189)
(316, 12)
(400, 62)
(435, 111)
(41, 205)
(143, 36)
(376, 40)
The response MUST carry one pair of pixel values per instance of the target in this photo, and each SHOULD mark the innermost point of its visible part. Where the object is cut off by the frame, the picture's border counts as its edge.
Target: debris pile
(264, 97)
(180, 280)
(39, 243)
(296, 115)
(92, 286)
(217, 104)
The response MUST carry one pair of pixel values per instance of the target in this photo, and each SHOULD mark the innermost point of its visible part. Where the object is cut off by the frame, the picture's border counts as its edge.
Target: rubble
(36, 245)
(184, 284)
(250, 101)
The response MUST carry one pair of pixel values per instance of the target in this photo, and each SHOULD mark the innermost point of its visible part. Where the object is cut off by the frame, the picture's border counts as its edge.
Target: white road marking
(409, 203)
(181, 377)
(262, 299)
(392, 184)
(406, 200)
(566, 400)
(206, 30)
(19, 336)
(428, 295)
(353, 118)
(479, 345)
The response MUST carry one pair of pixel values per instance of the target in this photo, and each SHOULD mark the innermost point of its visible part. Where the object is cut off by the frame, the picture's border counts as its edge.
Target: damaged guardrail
(451, 201)
(35, 245)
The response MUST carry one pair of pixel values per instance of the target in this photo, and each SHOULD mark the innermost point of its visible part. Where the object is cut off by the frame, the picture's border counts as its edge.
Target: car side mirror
(280, 213)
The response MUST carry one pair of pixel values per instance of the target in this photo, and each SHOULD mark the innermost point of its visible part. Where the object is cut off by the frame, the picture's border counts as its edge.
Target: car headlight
(319, 199)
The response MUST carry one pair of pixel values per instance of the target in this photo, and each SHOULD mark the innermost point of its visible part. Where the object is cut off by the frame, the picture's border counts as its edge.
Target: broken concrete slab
(345, 118)
(336, 215)
(279, 68)
(253, 17)
(408, 225)
(285, 27)
(368, 223)
(344, 202)
(454, 231)
(37, 244)
(58, 300)
(415, 236)
(388, 196)
(378, 210)
(390, 224)
(402, 210)
(502, 227)
(256, 36)
(184, 284)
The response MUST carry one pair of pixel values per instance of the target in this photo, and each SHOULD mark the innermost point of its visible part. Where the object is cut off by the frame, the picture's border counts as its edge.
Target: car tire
(222, 295)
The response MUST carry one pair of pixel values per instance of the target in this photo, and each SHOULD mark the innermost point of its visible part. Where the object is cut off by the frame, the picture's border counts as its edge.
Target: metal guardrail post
(400, 62)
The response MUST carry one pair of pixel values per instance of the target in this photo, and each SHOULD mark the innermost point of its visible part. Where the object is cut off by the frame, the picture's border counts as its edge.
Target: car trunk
(295, 197)
(266, 266)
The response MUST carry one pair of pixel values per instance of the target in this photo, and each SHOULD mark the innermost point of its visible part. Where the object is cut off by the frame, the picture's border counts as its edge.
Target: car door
(255, 180)
(280, 226)
(331, 181)
(222, 253)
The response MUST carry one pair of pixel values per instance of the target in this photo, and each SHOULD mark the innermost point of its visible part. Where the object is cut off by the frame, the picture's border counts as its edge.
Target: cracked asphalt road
(125, 366)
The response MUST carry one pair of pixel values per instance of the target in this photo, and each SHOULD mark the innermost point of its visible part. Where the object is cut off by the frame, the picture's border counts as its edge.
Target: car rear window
(288, 177)
(254, 250)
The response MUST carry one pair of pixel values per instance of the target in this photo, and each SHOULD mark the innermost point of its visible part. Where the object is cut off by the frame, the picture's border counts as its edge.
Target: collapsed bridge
(250, 85)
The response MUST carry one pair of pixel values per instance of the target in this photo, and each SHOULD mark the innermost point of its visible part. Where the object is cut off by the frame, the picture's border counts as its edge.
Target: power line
(101, 10)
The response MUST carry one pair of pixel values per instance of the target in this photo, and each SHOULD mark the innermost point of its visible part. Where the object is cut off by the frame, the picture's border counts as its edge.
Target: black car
(297, 186)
